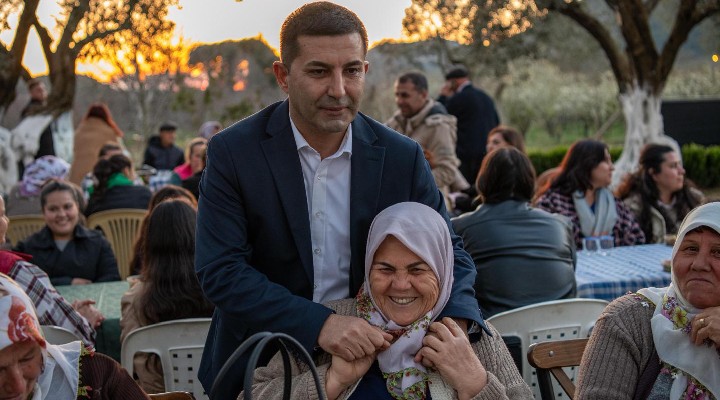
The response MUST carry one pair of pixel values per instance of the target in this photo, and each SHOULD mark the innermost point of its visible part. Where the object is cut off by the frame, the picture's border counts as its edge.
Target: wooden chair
(22, 226)
(121, 227)
(550, 358)
(173, 396)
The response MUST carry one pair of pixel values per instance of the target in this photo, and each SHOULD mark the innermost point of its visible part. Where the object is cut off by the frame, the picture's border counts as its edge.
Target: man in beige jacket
(427, 122)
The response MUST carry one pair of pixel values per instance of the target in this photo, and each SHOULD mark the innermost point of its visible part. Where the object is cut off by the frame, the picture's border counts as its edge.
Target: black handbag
(260, 340)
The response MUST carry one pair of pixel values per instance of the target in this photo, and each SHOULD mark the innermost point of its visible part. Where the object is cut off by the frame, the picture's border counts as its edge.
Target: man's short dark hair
(168, 126)
(108, 147)
(457, 72)
(417, 79)
(506, 173)
(321, 18)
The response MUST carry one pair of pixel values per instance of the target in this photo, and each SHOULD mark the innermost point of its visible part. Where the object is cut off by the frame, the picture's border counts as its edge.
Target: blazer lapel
(365, 179)
(284, 163)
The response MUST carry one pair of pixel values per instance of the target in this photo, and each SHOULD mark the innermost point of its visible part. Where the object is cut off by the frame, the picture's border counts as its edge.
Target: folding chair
(547, 321)
(550, 358)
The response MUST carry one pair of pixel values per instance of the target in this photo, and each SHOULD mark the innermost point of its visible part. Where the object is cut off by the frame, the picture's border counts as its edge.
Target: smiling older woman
(664, 343)
(408, 276)
(32, 369)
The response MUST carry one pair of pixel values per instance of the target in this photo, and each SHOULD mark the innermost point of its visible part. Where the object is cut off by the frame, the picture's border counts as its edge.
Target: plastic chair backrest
(179, 344)
(22, 226)
(547, 321)
(551, 358)
(58, 335)
(121, 228)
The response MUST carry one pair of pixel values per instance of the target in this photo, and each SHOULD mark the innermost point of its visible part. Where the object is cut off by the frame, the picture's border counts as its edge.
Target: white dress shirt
(327, 187)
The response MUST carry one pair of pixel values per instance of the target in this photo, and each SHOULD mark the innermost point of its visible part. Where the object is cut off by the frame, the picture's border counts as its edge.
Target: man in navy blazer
(264, 221)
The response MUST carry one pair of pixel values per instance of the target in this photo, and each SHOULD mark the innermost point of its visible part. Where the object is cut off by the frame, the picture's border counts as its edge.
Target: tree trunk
(641, 109)
(62, 80)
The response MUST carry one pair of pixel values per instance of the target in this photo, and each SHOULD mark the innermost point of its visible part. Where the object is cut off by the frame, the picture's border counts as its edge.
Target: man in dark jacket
(476, 116)
(161, 153)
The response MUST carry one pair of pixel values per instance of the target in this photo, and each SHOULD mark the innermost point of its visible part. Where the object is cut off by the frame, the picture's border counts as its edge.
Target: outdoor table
(107, 299)
(621, 270)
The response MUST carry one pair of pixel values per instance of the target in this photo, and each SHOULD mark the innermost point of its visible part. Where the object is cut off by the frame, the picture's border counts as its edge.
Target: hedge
(702, 163)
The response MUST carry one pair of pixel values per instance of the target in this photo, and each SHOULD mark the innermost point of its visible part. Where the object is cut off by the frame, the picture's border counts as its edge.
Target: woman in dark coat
(68, 252)
(115, 187)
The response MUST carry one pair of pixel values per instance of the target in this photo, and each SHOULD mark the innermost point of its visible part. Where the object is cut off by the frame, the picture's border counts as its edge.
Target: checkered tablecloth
(623, 269)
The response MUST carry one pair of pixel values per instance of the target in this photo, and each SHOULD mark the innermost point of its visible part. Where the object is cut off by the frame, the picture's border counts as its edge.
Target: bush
(544, 160)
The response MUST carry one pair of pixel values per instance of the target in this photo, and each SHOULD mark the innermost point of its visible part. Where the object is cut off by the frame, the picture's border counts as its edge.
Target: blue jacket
(253, 251)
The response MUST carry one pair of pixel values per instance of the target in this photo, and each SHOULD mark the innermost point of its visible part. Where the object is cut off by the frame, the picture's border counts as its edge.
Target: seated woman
(504, 136)
(24, 196)
(197, 165)
(79, 318)
(68, 252)
(408, 276)
(115, 187)
(192, 149)
(530, 255)
(580, 192)
(34, 369)
(663, 342)
(168, 288)
(168, 192)
(658, 193)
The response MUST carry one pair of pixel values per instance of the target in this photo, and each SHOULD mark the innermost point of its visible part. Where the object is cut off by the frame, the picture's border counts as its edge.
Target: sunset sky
(218, 20)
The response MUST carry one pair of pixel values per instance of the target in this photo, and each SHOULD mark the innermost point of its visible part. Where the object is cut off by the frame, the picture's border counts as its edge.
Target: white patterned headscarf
(40, 171)
(19, 323)
(673, 316)
(422, 230)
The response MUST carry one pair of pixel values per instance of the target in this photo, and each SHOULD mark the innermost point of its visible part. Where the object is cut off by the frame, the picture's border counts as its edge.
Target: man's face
(38, 92)
(167, 138)
(325, 83)
(409, 99)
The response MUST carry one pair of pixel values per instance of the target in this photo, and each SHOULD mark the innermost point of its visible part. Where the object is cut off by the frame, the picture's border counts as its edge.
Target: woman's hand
(88, 310)
(706, 325)
(342, 374)
(80, 281)
(450, 352)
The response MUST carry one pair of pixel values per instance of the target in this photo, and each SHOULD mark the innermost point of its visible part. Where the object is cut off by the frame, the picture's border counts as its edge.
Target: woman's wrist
(474, 387)
(333, 387)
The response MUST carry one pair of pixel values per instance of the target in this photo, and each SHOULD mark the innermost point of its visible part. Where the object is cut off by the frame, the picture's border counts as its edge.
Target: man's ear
(281, 75)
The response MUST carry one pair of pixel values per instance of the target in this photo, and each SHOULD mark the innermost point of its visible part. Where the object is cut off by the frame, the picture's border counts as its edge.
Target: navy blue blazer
(253, 250)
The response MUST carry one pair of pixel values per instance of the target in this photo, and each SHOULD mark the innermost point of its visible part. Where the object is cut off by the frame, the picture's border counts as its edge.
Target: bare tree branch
(640, 44)
(650, 5)
(76, 15)
(45, 39)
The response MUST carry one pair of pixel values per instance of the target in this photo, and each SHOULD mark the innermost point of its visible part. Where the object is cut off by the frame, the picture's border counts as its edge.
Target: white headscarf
(19, 323)
(422, 230)
(673, 344)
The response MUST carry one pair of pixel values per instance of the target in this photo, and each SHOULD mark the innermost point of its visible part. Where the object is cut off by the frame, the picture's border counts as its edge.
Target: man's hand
(88, 310)
(430, 158)
(352, 338)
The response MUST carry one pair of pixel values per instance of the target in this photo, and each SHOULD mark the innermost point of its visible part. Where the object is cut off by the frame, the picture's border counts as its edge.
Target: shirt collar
(345, 146)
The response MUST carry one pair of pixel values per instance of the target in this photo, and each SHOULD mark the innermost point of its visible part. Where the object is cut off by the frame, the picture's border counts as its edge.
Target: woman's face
(20, 366)
(671, 176)
(402, 284)
(601, 175)
(696, 267)
(495, 141)
(61, 214)
(196, 159)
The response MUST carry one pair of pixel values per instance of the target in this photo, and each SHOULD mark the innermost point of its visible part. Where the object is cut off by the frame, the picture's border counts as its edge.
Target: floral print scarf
(422, 230)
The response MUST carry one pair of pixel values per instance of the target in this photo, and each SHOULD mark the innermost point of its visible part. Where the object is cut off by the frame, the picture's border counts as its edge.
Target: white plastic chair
(548, 321)
(58, 335)
(179, 344)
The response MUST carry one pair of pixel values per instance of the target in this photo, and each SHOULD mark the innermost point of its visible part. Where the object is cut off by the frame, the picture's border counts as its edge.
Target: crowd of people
(380, 247)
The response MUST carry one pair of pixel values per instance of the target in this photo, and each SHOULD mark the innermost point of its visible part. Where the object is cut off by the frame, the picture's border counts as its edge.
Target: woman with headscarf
(408, 277)
(580, 192)
(24, 197)
(96, 129)
(36, 370)
(663, 343)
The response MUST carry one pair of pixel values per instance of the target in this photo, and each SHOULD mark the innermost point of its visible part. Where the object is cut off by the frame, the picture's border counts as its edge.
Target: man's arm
(462, 303)
(442, 147)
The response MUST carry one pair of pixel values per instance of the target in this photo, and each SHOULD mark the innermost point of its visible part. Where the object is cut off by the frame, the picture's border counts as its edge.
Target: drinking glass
(607, 243)
(591, 244)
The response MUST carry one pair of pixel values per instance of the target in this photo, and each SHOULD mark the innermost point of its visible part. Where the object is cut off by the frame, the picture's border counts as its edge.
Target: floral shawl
(39, 171)
(695, 369)
(422, 230)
